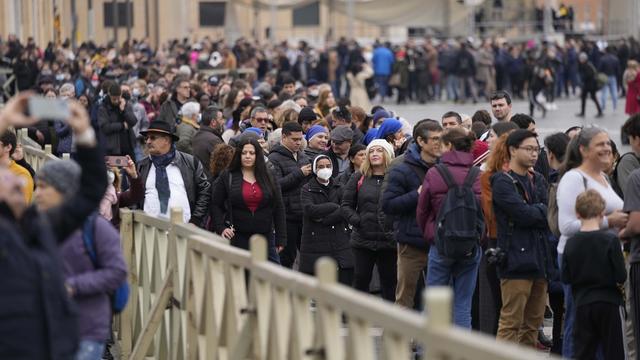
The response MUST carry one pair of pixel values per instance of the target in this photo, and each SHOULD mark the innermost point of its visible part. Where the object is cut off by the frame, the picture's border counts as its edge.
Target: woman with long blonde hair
(371, 243)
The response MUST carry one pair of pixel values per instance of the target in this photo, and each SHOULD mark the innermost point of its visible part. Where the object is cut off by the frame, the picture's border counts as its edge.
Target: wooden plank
(155, 319)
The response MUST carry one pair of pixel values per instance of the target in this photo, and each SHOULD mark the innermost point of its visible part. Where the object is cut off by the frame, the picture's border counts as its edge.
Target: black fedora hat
(160, 127)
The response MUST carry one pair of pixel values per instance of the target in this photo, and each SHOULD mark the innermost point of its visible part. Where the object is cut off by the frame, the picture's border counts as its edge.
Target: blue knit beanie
(380, 114)
(315, 130)
(369, 136)
(255, 130)
(389, 126)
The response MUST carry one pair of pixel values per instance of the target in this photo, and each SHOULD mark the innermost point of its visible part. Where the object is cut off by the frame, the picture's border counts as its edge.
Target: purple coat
(434, 189)
(93, 286)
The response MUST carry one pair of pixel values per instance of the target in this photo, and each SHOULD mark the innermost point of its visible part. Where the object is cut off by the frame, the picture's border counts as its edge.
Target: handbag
(120, 296)
(394, 80)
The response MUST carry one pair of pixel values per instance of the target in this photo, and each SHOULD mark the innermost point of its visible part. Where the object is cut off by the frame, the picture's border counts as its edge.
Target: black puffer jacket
(360, 205)
(290, 178)
(268, 216)
(195, 180)
(112, 122)
(325, 231)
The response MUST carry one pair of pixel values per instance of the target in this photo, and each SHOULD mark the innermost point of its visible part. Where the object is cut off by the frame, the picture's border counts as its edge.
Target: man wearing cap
(341, 140)
(116, 121)
(317, 139)
(212, 88)
(172, 178)
(208, 136)
(292, 169)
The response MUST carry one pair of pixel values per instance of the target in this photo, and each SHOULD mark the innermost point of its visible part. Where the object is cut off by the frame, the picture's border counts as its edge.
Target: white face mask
(324, 174)
(135, 92)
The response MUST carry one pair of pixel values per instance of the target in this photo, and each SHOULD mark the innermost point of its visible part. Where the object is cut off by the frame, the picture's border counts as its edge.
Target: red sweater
(252, 194)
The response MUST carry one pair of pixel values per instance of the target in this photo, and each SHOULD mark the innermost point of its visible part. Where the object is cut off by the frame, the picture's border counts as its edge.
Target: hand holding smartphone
(116, 161)
(43, 108)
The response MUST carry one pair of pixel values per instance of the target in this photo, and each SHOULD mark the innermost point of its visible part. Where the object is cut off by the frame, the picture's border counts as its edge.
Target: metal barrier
(196, 297)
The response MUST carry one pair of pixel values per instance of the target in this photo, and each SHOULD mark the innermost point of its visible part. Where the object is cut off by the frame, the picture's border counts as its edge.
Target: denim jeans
(451, 84)
(569, 317)
(612, 88)
(90, 350)
(382, 81)
(462, 275)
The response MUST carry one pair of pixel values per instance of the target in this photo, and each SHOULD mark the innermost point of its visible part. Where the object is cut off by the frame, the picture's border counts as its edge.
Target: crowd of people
(479, 203)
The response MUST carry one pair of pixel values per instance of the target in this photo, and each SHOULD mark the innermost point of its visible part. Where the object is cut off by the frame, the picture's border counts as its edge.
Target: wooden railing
(33, 152)
(196, 297)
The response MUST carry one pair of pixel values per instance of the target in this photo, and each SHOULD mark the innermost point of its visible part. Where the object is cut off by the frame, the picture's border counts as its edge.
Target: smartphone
(117, 161)
(48, 109)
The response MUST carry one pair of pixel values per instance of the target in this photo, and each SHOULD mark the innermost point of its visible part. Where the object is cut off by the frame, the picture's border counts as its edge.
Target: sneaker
(600, 115)
(580, 115)
(544, 340)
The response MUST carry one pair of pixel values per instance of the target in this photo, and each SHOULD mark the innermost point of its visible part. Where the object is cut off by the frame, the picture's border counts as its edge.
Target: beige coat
(359, 96)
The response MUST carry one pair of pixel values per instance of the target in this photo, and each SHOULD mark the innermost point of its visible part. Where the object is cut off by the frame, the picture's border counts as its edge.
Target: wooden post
(258, 248)
(66, 156)
(437, 302)
(47, 149)
(328, 343)
(438, 306)
(125, 332)
(176, 216)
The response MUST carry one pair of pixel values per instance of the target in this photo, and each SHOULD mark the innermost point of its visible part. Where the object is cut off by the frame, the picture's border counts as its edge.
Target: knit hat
(315, 130)
(62, 175)
(380, 114)
(255, 130)
(307, 115)
(384, 144)
(369, 136)
(315, 162)
(341, 133)
(389, 127)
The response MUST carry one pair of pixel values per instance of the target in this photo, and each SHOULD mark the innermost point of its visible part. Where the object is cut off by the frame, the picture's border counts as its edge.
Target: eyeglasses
(434, 138)
(530, 149)
(262, 120)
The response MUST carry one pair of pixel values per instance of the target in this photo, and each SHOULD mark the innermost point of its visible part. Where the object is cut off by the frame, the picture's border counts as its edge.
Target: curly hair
(221, 158)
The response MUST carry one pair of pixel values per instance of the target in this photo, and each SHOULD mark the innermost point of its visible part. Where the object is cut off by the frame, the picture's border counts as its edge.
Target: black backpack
(460, 222)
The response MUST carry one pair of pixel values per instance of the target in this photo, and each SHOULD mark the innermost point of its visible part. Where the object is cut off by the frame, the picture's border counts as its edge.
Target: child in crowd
(594, 266)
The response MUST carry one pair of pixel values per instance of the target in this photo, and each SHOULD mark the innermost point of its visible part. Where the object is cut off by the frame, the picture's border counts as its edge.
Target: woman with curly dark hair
(220, 159)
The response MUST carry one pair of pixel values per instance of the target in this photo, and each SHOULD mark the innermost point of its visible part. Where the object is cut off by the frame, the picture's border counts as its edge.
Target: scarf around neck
(162, 180)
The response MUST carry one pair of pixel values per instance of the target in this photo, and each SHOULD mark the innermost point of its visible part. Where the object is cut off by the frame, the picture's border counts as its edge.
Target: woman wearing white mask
(325, 231)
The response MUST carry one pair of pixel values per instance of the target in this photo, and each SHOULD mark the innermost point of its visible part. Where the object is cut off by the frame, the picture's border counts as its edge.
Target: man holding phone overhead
(116, 121)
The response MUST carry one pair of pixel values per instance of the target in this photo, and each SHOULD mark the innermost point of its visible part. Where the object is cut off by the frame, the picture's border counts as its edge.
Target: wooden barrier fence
(193, 296)
(33, 153)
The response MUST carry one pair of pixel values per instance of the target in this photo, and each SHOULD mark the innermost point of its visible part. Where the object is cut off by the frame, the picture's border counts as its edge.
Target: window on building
(212, 13)
(122, 14)
(308, 15)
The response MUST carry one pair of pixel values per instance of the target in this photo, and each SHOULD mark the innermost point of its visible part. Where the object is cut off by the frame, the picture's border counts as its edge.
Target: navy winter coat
(522, 226)
(400, 197)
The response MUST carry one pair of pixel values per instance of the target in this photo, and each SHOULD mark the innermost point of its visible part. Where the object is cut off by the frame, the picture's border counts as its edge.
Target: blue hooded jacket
(400, 197)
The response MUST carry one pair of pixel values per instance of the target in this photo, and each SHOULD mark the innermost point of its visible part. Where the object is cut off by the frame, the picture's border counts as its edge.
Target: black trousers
(556, 301)
(386, 260)
(634, 278)
(290, 251)
(599, 323)
(583, 100)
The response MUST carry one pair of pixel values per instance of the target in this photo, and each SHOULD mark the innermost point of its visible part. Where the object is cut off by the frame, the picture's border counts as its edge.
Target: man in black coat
(292, 169)
(116, 121)
(172, 178)
(208, 136)
(38, 317)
